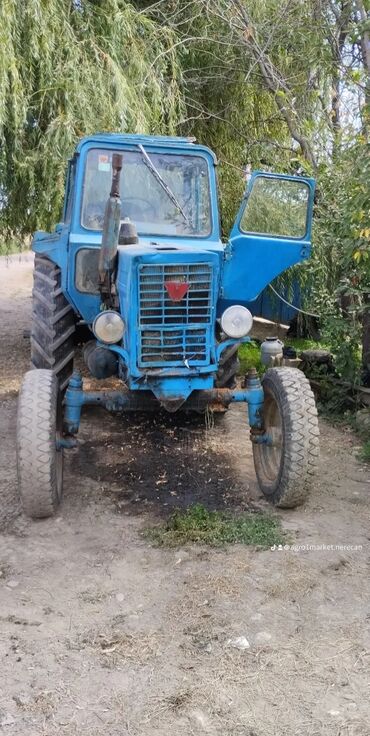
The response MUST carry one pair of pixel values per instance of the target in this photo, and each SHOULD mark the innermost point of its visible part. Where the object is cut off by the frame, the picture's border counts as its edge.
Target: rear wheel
(228, 368)
(39, 460)
(53, 322)
(285, 467)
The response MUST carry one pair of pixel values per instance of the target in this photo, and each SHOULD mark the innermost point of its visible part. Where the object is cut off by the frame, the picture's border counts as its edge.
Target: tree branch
(275, 84)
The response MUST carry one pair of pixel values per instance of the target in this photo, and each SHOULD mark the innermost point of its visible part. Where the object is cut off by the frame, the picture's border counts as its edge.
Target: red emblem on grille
(176, 289)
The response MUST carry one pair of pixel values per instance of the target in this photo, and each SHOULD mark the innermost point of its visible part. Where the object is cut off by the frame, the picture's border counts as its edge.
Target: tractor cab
(152, 251)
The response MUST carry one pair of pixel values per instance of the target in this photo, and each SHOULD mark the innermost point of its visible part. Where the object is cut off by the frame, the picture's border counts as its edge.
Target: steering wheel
(143, 207)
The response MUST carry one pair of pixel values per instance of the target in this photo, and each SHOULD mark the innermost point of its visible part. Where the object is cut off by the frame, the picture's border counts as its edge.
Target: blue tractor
(137, 271)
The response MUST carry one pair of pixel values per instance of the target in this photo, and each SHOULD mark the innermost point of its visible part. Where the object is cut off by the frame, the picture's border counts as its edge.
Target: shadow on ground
(162, 462)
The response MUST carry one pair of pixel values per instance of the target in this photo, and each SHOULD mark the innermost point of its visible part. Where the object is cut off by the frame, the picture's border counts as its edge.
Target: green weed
(250, 357)
(216, 528)
(364, 453)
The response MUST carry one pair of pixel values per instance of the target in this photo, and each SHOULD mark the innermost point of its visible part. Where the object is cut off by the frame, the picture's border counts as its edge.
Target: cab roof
(166, 141)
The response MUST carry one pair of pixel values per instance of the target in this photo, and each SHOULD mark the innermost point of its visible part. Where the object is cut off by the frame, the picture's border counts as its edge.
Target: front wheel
(285, 466)
(39, 458)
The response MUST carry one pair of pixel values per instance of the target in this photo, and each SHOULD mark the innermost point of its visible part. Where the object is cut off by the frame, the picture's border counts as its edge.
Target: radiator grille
(174, 332)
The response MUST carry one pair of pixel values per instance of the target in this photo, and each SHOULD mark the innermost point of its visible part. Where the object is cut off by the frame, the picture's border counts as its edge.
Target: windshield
(144, 199)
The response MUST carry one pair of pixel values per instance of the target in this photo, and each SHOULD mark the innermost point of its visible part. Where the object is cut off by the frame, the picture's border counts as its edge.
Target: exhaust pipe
(112, 219)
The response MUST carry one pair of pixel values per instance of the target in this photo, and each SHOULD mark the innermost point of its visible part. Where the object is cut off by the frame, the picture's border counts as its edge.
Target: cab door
(272, 232)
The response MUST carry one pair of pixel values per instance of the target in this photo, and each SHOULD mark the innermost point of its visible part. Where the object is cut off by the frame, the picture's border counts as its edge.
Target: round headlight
(236, 321)
(108, 327)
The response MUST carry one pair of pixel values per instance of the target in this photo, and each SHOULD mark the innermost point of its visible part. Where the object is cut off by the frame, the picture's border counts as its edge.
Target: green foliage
(67, 70)
(364, 453)
(9, 246)
(228, 106)
(250, 357)
(250, 353)
(344, 339)
(303, 343)
(340, 268)
(216, 528)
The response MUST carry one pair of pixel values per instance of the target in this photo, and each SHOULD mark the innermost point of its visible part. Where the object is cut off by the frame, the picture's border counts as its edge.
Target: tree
(68, 69)
(269, 84)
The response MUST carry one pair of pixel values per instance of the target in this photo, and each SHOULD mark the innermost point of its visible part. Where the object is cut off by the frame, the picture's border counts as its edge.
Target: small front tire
(285, 468)
(39, 460)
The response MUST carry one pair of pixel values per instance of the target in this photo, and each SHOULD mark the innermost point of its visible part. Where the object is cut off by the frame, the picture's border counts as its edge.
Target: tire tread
(301, 437)
(228, 368)
(36, 436)
(53, 322)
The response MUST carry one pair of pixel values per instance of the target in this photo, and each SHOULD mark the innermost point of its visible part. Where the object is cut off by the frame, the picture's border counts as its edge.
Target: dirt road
(102, 634)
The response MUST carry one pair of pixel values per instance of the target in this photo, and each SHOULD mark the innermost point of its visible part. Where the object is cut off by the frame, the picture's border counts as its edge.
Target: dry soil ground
(103, 634)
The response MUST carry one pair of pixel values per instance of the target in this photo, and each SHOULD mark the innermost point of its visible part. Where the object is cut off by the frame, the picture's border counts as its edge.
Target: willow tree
(68, 69)
(253, 72)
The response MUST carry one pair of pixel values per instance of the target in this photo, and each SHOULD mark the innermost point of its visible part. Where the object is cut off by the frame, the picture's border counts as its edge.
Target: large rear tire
(39, 461)
(228, 368)
(286, 467)
(53, 322)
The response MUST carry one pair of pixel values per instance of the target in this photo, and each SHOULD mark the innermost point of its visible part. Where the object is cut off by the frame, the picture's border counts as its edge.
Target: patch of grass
(250, 357)
(216, 528)
(250, 353)
(364, 453)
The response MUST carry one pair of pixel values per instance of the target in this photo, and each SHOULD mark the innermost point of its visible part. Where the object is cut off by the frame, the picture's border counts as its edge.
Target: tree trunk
(337, 42)
(273, 80)
(364, 16)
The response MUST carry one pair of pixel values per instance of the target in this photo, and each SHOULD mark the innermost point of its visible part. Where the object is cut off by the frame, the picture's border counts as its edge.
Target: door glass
(276, 207)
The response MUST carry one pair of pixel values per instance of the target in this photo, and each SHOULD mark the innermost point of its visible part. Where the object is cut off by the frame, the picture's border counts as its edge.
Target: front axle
(217, 399)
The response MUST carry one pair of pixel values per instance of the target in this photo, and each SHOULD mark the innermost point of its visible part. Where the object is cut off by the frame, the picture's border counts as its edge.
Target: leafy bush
(340, 268)
(364, 453)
